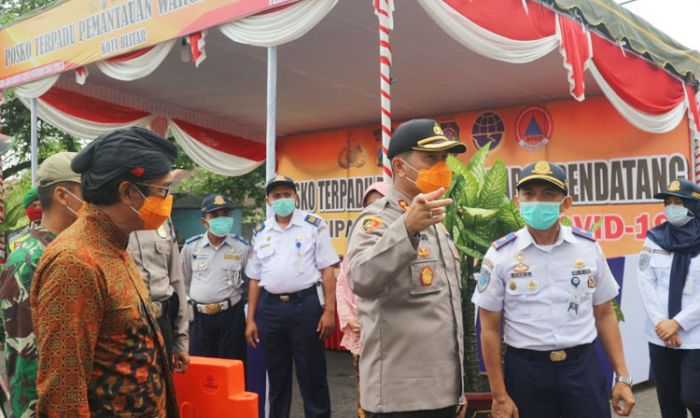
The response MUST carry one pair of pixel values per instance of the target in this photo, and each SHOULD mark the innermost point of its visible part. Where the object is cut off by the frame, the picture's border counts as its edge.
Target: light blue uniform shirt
(212, 274)
(290, 260)
(546, 293)
(654, 278)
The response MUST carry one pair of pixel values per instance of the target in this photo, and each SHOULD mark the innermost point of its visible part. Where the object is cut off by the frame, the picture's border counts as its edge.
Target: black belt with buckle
(212, 308)
(286, 297)
(554, 355)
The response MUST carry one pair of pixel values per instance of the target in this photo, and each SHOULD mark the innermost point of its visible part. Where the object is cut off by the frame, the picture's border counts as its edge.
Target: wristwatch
(624, 379)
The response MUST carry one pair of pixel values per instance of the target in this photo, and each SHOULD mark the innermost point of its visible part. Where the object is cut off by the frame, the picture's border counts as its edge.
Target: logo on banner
(488, 128)
(450, 130)
(533, 129)
(377, 134)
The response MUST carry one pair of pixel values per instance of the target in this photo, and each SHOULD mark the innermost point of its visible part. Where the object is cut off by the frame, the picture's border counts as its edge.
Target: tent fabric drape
(35, 88)
(83, 116)
(486, 42)
(575, 47)
(280, 26)
(217, 152)
(139, 65)
(646, 95)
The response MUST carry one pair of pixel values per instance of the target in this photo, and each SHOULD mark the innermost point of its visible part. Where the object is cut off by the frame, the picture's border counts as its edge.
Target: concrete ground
(341, 379)
(342, 385)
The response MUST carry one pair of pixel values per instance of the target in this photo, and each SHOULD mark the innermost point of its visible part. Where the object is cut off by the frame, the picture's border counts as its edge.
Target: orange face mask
(433, 178)
(154, 211)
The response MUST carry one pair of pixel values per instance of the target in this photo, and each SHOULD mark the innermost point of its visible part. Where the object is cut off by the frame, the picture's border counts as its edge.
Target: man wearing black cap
(669, 281)
(292, 259)
(100, 349)
(213, 264)
(405, 270)
(550, 288)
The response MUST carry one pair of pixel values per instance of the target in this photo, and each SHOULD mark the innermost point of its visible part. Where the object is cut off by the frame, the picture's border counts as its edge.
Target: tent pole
(34, 142)
(270, 142)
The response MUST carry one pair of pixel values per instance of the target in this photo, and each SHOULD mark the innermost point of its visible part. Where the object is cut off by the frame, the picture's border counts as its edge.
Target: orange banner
(80, 32)
(613, 168)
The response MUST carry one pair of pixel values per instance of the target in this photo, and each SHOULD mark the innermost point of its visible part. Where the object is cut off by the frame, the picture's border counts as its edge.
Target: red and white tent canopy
(448, 55)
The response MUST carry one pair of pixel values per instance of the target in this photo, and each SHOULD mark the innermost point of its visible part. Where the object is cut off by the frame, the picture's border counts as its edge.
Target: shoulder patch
(644, 258)
(370, 223)
(194, 238)
(258, 228)
(583, 234)
(241, 240)
(313, 220)
(503, 241)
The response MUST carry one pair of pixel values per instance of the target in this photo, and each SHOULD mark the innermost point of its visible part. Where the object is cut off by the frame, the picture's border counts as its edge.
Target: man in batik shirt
(101, 352)
(59, 193)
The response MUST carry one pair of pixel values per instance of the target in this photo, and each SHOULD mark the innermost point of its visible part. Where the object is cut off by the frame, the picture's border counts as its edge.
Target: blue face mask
(677, 215)
(283, 207)
(220, 226)
(540, 215)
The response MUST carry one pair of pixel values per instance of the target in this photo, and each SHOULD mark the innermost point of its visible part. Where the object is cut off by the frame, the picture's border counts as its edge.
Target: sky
(677, 18)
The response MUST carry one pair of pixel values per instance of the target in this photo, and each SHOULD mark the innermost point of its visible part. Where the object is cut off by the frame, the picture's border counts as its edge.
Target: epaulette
(241, 240)
(194, 238)
(258, 228)
(583, 234)
(503, 241)
(313, 220)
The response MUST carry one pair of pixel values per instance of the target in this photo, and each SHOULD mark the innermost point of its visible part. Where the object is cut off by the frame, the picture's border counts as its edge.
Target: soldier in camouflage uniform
(59, 192)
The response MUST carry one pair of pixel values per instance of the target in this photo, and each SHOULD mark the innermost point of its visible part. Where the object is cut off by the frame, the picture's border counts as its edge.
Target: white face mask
(678, 215)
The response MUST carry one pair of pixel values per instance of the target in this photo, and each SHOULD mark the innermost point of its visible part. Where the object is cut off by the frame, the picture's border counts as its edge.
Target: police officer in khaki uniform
(405, 271)
(156, 255)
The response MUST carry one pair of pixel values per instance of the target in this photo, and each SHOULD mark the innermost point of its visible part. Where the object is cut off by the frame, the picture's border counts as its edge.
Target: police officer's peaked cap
(683, 188)
(279, 180)
(543, 171)
(214, 202)
(422, 135)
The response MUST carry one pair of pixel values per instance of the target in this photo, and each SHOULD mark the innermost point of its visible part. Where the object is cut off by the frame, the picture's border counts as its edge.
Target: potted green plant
(480, 214)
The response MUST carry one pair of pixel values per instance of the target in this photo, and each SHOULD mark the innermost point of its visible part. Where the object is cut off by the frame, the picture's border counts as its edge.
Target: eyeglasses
(163, 191)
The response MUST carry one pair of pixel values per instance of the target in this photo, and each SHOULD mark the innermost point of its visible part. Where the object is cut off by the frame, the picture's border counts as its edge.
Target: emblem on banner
(488, 128)
(451, 130)
(533, 128)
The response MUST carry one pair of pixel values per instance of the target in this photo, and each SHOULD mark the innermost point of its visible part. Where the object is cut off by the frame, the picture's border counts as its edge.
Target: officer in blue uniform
(213, 264)
(669, 281)
(552, 288)
(290, 271)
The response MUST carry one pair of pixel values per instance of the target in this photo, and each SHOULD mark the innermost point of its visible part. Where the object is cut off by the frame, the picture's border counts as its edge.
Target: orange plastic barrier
(214, 388)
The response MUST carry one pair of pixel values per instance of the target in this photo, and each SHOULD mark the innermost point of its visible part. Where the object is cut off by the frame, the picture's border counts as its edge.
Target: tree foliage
(246, 191)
